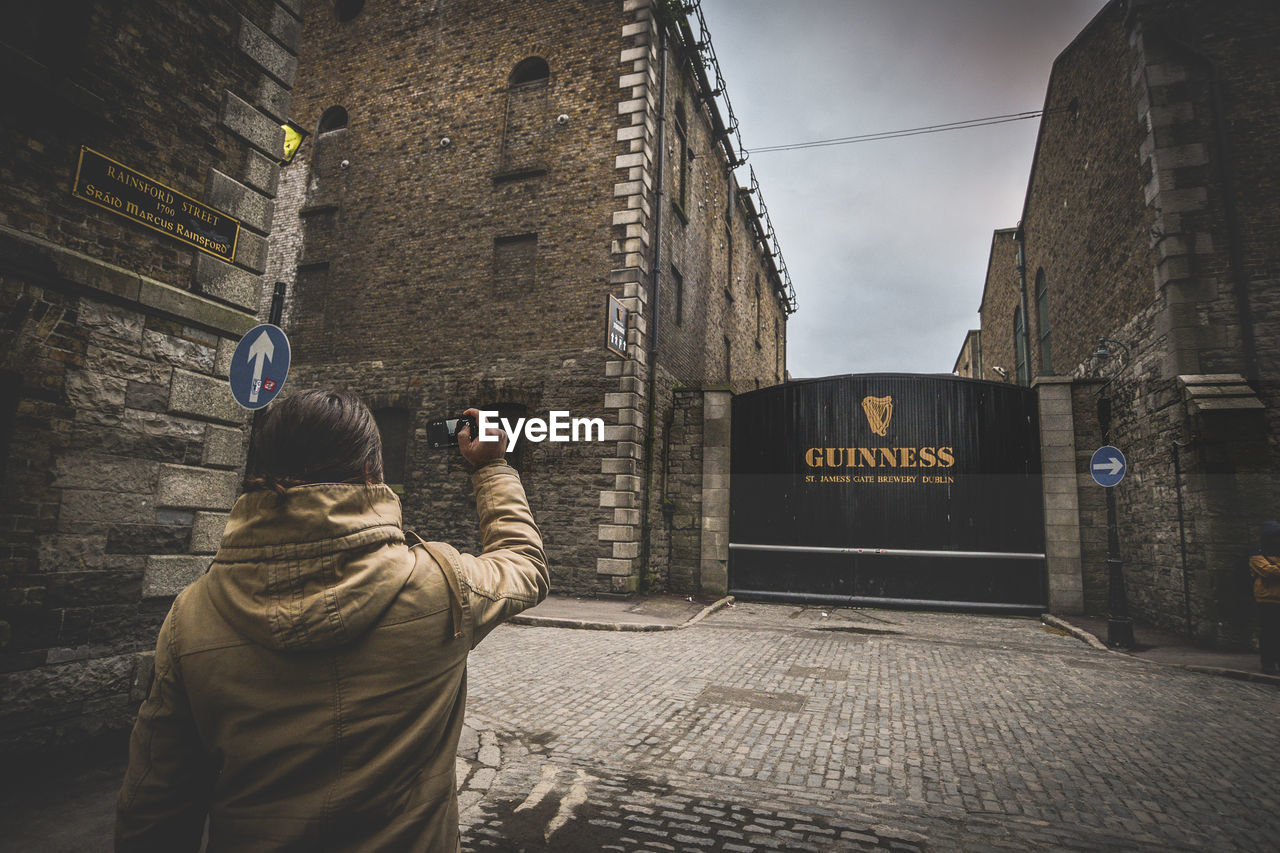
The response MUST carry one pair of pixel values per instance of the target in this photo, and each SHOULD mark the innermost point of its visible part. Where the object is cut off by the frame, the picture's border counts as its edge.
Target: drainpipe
(654, 278)
(1174, 447)
(1022, 297)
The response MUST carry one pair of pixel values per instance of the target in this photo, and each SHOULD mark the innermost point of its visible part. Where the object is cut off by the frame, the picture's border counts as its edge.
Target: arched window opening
(531, 70)
(346, 10)
(1042, 316)
(393, 426)
(334, 118)
(525, 126)
(1020, 346)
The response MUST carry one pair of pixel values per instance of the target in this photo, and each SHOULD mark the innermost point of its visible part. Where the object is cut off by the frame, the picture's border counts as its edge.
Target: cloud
(887, 241)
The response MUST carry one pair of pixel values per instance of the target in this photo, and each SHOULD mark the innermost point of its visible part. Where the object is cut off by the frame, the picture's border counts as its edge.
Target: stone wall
(1150, 215)
(455, 242)
(122, 446)
(1000, 297)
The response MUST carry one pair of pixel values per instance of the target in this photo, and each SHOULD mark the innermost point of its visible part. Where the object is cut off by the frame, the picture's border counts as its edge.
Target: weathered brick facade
(503, 168)
(122, 447)
(1151, 218)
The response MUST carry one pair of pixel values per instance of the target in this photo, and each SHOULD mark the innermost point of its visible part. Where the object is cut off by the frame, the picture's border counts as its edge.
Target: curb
(642, 627)
(1089, 639)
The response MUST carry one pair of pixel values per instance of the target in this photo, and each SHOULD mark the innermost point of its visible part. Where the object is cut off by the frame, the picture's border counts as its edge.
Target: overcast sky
(887, 241)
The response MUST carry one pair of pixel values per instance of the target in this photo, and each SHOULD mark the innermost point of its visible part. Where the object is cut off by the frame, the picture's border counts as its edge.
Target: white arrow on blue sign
(259, 366)
(1107, 466)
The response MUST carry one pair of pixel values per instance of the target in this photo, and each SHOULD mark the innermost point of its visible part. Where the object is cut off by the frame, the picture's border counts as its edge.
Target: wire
(911, 131)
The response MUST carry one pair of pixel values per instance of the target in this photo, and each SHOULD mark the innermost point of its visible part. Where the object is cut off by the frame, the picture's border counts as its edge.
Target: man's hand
(474, 450)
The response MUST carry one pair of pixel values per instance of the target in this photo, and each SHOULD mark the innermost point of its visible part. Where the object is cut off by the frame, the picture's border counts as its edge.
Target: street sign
(617, 326)
(259, 366)
(1107, 466)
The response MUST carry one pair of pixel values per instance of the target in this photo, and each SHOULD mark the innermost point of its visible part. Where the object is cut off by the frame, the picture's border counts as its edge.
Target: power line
(910, 131)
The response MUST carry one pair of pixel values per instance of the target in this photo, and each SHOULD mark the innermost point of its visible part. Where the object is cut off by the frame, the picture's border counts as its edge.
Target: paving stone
(895, 731)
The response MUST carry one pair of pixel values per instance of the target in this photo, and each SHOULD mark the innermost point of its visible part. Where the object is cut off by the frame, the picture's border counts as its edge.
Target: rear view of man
(309, 690)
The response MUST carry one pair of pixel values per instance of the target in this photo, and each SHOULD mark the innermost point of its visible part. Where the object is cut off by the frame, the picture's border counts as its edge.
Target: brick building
(121, 448)
(1151, 218)
(482, 177)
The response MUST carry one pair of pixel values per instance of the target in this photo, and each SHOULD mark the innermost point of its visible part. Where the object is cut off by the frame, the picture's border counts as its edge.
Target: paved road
(773, 727)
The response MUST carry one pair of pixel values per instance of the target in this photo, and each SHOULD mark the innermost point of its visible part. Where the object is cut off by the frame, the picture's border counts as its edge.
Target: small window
(728, 271)
(757, 308)
(10, 395)
(346, 10)
(393, 426)
(512, 412)
(1042, 316)
(334, 118)
(1020, 346)
(728, 360)
(682, 158)
(531, 70)
(515, 265)
(677, 283)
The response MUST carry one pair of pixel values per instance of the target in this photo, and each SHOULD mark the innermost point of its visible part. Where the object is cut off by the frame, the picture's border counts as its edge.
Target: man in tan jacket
(309, 690)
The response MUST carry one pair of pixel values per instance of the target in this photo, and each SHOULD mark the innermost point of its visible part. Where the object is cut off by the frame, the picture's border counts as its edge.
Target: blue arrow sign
(259, 366)
(1108, 466)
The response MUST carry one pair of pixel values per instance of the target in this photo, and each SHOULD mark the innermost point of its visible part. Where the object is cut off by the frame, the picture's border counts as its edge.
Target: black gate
(893, 489)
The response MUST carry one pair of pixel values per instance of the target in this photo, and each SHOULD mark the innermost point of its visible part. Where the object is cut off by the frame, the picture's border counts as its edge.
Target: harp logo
(879, 411)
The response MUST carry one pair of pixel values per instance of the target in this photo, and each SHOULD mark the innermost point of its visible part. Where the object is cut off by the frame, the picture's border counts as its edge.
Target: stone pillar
(716, 420)
(1061, 500)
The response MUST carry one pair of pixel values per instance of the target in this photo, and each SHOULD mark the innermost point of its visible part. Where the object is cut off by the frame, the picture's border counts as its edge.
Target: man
(309, 690)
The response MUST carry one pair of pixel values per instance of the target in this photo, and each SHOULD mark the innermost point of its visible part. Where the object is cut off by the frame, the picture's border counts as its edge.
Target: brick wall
(1151, 213)
(456, 242)
(123, 446)
(999, 300)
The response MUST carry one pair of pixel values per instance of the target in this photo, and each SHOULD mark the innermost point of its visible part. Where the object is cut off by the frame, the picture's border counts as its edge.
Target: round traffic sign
(259, 366)
(1108, 466)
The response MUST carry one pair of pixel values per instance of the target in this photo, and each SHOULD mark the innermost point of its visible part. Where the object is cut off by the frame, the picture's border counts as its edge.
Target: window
(10, 395)
(1042, 316)
(728, 360)
(777, 351)
(334, 118)
(757, 310)
(512, 412)
(677, 284)
(393, 426)
(531, 70)
(346, 10)
(728, 270)
(515, 264)
(682, 158)
(524, 132)
(1020, 346)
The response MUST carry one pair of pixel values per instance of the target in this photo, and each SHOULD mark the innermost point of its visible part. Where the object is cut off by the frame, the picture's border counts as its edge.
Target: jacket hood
(313, 568)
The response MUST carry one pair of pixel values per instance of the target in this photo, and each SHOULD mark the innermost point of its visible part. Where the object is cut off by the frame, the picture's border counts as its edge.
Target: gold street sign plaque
(131, 194)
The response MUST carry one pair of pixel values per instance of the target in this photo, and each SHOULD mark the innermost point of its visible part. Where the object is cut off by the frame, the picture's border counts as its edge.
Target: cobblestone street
(797, 728)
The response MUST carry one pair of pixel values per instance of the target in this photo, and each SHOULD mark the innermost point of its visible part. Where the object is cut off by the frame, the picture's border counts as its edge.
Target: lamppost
(1119, 625)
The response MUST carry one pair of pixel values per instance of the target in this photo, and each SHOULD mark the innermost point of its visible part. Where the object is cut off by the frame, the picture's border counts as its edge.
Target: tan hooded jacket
(309, 690)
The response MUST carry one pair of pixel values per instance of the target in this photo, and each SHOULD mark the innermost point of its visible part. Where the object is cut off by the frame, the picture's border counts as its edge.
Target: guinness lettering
(880, 457)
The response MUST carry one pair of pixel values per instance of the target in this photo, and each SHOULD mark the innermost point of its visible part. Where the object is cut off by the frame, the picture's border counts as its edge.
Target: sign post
(259, 366)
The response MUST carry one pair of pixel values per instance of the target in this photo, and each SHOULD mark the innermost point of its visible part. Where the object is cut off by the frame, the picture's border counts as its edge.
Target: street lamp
(1119, 625)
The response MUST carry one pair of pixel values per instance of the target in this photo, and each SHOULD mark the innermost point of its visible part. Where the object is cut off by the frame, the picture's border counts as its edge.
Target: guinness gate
(888, 489)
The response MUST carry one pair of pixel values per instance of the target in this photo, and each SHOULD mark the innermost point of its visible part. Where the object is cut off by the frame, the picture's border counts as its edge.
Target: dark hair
(315, 437)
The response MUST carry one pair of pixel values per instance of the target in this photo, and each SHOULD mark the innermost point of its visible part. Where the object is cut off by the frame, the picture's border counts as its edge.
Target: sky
(887, 241)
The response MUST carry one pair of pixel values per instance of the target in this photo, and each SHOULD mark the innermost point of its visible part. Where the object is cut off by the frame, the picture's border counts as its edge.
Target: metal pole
(1119, 625)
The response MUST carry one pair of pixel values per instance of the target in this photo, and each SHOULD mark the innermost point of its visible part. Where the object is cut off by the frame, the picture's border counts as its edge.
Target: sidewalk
(640, 613)
(1165, 648)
